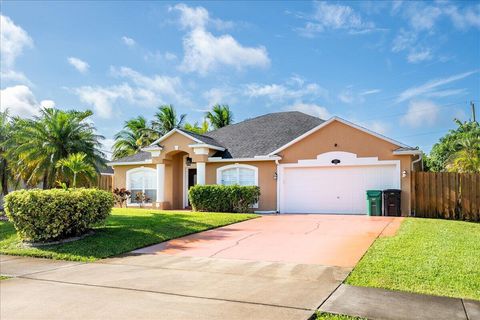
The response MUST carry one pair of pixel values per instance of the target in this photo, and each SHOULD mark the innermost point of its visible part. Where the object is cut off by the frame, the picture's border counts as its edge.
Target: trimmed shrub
(218, 198)
(50, 215)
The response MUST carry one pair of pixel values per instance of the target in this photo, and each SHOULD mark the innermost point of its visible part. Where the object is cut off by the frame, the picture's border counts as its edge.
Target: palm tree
(467, 158)
(220, 116)
(46, 139)
(76, 163)
(166, 120)
(135, 135)
(196, 128)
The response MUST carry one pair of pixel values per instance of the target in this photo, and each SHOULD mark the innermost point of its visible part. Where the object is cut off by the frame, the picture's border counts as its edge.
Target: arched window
(142, 180)
(241, 174)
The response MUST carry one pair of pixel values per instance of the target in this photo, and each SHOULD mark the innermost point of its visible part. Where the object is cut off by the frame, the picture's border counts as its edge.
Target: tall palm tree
(76, 163)
(166, 119)
(467, 158)
(220, 116)
(53, 135)
(135, 135)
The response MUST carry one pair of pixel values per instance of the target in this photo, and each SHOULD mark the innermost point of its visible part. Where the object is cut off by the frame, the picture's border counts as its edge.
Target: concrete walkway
(163, 287)
(372, 303)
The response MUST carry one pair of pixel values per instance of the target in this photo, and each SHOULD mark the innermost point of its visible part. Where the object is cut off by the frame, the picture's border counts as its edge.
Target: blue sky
(404, 69)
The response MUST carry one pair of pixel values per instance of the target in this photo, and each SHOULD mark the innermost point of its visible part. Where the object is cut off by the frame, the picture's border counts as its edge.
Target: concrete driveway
(330, 240)
(274, 267)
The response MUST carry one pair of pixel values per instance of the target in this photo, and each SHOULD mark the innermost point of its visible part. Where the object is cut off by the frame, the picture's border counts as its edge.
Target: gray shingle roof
(137, 157)
(203, 138)
(262, 135)
(253, 137)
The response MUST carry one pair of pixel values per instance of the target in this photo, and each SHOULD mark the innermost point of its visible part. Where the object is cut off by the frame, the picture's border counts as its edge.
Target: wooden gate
(446, 195)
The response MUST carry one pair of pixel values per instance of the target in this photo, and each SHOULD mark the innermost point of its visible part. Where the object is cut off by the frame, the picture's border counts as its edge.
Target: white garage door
(333, 189)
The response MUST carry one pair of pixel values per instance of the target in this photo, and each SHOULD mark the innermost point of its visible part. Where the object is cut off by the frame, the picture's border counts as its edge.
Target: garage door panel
(333, 189)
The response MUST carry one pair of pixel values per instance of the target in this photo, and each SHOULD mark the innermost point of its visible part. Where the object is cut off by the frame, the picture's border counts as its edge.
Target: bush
(49, 215)
(218, 198)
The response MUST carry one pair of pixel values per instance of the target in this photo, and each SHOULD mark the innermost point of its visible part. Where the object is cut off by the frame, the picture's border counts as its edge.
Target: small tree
(77, 165)
(121, 196)
(220, 116)
(142, 198)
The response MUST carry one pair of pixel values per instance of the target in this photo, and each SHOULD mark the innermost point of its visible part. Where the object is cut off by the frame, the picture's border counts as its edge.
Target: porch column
(201, 173)
(160, 183)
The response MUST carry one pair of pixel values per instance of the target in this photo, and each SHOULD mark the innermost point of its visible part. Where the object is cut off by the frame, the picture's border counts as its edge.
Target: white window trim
(128, 174)
(236, 166)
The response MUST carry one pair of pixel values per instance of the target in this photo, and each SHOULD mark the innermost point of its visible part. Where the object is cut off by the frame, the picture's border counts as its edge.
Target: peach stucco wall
(352, 140)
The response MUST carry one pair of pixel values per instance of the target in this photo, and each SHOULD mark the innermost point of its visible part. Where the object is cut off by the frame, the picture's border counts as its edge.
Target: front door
(192, 180)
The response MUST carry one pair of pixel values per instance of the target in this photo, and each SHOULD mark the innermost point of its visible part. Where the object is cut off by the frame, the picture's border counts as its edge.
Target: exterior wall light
(188, 162)
(404, 173)
(275, 176)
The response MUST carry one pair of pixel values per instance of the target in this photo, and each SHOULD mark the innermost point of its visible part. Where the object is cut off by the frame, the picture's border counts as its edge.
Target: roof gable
(348, 123)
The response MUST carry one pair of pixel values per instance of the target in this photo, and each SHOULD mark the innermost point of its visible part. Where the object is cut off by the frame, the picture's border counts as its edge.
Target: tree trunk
(4, 178)
(45, 181)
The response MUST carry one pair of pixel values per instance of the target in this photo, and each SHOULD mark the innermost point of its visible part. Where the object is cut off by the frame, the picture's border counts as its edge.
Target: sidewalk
(373, 303)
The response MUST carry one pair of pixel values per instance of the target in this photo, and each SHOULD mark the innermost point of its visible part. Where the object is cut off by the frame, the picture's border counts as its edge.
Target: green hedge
(49, 215)
(218, 198)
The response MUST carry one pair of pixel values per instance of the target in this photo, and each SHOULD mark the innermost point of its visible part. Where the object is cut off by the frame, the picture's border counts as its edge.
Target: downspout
(420, 157)
(278, 188)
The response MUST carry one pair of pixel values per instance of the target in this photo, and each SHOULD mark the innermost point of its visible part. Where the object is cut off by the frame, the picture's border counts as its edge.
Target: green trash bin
(374, 202)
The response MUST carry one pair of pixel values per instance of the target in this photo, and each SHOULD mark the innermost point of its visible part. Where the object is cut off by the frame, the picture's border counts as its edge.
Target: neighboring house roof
(106, 170)
(261, 135)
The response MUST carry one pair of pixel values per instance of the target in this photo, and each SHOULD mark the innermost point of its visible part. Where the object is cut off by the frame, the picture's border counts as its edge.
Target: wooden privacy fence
(105, 182)
(446, 195)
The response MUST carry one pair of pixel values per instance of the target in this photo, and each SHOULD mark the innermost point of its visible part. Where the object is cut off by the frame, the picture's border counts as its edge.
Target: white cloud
(129, 42)
(423, 17)
(14, 76)
(222, 95)
(138, 89)
(198, 17)
(289, 90)
(154, 86)
(205, 52)
(21, 101)
(346, 96)
(369, 92)
(311, 109)
(328, 16)
(160, 56)
(431, 85)
(469, 17)
(78, 64)
(103, 98)
(13, 40)
(47, 104)
(421, 113)
(419, 55)
(404, 40)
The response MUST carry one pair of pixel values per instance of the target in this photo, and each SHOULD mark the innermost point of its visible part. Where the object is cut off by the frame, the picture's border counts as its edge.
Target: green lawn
(438, 257)
(331, 316)
(125, 230)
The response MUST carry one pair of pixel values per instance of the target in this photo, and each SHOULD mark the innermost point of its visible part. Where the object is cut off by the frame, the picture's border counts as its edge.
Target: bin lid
(374, 193)
(392, 191)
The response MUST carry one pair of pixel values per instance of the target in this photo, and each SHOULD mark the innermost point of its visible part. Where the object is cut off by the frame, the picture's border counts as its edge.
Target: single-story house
(301, 163)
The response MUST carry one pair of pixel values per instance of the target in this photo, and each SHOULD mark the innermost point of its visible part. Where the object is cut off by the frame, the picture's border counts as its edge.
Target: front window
(241, 175)
(142, 181)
